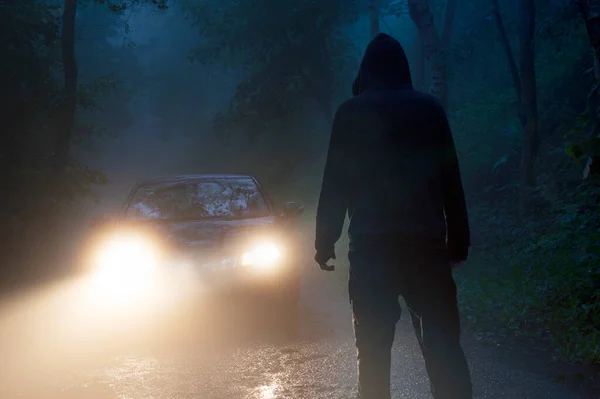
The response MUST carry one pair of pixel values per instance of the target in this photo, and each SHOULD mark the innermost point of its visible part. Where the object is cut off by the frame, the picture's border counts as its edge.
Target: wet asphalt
(195, 351)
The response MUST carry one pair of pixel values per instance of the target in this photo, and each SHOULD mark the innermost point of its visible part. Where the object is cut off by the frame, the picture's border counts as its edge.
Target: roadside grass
(544, 286)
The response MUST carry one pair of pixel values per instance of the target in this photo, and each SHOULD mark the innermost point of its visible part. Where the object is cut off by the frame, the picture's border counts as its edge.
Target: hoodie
(391, 163)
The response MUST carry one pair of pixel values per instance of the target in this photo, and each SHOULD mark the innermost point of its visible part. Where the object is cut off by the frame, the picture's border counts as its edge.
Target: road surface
(55, 345)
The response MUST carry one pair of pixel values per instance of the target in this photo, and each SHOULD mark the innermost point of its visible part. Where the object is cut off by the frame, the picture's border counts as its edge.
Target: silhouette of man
(392, 166)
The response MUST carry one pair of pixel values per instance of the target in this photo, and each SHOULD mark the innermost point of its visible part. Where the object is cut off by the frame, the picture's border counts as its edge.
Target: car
(223, 227)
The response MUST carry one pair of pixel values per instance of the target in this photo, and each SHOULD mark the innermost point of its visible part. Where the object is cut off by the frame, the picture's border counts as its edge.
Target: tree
(419, 9)
(590, 146)
(289, 51)
(105, 88)
(37, 108)
(528, 90)
(590, 10)
(374, 17)
(29, 88)
(420, 63)
(512, 64)
(421, 14)
(28, 33)
(65, 128)
(449, 13)
(524, 82)
(68, 110)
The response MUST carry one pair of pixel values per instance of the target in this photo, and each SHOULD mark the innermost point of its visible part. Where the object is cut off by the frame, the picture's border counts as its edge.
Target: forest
(97, 93)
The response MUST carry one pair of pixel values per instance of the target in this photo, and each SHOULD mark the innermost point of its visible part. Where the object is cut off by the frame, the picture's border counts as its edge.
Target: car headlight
(125, 261)
(265, 255)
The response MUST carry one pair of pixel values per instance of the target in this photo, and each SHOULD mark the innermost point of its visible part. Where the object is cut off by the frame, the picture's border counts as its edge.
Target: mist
(171, 102)
(168, 108)
(166, 88)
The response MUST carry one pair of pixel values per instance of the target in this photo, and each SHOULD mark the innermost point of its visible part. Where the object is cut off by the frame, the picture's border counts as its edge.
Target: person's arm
(455, 207)
(333, 201)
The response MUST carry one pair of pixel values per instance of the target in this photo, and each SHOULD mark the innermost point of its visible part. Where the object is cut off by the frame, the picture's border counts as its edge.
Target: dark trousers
(380, 271)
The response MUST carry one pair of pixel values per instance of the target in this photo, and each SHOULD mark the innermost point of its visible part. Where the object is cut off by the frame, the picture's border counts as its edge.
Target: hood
(384, 65)
(212, 233)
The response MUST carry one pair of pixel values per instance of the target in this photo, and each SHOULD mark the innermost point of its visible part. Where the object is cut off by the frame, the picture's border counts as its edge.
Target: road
(56, 346)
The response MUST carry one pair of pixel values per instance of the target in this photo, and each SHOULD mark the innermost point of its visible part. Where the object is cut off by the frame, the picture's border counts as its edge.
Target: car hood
(201, 234)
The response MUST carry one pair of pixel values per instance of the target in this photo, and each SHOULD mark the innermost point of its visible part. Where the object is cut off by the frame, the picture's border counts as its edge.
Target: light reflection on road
(269, 391)
(68, 341)
(56, 345)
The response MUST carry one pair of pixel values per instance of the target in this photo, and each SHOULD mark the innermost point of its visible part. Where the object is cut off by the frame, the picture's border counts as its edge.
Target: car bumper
(241, 278)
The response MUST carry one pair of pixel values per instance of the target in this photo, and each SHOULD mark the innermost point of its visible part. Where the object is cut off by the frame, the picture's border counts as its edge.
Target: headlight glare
(265, 255)
(127, 251)
(125, 261)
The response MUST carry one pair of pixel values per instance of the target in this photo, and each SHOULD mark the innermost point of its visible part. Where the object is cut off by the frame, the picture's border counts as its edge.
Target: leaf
(575, 151)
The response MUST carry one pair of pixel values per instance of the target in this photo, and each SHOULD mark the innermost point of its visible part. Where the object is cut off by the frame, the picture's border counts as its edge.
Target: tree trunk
(510, 58)
(528, 90)
(374, 17)
(421, 14)
(65, 129)
(449, 13)
(419, 65)
(591, 13)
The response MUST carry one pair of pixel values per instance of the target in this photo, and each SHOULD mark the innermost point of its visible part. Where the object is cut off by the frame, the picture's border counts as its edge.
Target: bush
(544, 281)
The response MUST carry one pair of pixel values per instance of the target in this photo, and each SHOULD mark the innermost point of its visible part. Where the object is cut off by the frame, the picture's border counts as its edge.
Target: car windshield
(197, 199)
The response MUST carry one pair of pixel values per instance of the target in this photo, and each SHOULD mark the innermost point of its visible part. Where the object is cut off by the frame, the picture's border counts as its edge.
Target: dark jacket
(391, 163)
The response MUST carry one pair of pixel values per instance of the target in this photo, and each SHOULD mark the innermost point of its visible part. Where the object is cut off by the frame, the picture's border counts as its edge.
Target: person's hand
(458, 256)
(454, 265)
(322, 257)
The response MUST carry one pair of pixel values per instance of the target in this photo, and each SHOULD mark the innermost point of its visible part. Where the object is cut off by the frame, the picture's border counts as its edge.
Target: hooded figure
(392, 167)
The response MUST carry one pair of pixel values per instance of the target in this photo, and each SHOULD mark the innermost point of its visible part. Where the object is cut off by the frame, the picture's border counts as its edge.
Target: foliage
(536, 272)
(118, 6)
(288, 51)
(31, 103)
(541, 277)
(484, 114)
(30, 91)
(585, 135)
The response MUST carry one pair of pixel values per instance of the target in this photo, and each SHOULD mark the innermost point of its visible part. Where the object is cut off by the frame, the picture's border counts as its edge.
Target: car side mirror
(292, 210)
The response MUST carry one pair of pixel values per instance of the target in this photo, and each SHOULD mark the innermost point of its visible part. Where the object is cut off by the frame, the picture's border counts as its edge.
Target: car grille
(224, 263)
(217, 261)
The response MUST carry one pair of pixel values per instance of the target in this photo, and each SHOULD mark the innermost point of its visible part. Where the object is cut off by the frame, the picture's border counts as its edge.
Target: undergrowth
(543, 279)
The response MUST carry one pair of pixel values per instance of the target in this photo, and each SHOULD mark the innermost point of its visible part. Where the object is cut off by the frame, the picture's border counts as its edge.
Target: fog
(164, 123)
(251, 88)
(169, 106)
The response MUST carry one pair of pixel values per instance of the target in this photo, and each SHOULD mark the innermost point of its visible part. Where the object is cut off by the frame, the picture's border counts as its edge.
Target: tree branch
(448, 23)
(63, 137)
(507, 49)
